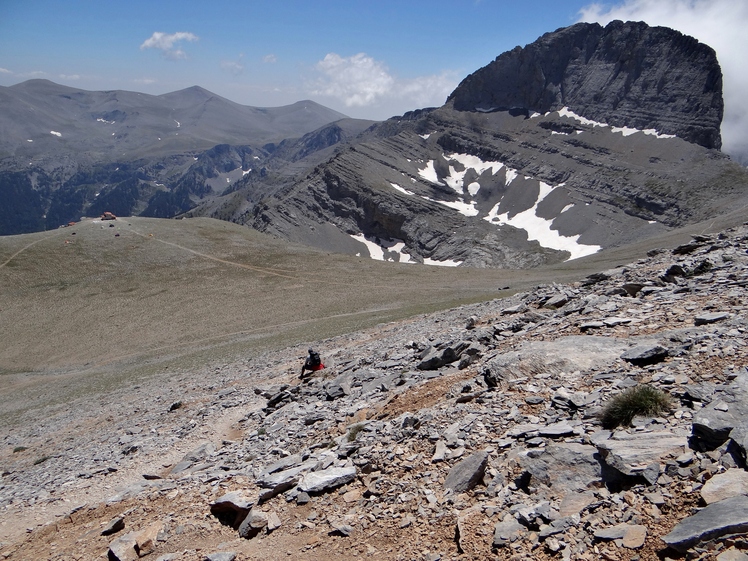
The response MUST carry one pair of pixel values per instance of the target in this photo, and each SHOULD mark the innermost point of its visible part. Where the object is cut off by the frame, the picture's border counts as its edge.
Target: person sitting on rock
(312, 363)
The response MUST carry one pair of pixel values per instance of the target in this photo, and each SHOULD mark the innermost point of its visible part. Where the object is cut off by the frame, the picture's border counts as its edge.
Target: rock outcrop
(624, 74)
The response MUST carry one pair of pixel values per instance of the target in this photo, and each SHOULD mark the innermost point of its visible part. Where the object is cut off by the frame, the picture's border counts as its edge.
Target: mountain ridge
(469, 183)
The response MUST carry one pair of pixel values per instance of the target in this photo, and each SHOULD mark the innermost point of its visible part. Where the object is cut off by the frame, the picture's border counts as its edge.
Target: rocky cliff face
(624, 74)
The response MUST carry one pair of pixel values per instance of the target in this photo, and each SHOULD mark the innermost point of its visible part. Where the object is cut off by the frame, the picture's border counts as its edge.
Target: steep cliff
(624, 74)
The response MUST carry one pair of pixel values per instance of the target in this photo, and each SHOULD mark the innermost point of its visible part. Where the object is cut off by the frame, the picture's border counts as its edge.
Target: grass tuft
(641, 400)
(353, 431)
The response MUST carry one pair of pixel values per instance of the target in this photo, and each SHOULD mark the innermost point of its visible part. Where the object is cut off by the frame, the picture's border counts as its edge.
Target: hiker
(312, 363)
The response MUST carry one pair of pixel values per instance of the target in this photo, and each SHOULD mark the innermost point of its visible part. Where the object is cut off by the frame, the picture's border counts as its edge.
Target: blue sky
(367, 59)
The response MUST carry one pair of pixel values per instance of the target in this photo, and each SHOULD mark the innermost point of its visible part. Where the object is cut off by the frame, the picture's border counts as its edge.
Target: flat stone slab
(729, 516)
(632, 453)
(713, 317)
(330, 478)
(725, 485)
(633, 535)
(564, 467)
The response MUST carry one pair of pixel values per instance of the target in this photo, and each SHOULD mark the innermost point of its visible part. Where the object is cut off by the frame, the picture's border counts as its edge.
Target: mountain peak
(625, 74)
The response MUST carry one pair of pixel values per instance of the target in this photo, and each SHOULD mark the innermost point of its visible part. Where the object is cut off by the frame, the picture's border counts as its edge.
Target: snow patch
(429, 173)
(58, 134)
(539, 229)
(29, 140)
(425, 136)
(401, 189)
(464, 208)
(246, 172)
(377, 250)
(625, 131)
(445, 263)
(511, 175)
(178, 123)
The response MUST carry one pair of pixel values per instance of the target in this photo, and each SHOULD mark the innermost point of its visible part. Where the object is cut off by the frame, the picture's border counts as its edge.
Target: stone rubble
(471, 433)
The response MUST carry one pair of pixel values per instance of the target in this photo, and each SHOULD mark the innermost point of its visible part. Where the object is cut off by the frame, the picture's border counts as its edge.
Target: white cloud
(721, 24)
(270, 59)
(70, 76)
(5, 71)
(145, 81)
(361, 81)
(168, 44)
(357, 80)
(235, 67)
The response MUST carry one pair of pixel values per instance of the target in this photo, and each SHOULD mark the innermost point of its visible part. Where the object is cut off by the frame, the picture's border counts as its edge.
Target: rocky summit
(474, 433)
(627, 74)
(589, 138)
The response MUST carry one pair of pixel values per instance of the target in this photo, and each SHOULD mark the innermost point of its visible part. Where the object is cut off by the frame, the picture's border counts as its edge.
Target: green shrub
(353, 431)
(640, 400)
(41, 460)
(19, 449)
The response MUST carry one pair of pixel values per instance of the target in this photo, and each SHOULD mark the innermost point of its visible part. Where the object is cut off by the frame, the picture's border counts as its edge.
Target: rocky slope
(472, 433)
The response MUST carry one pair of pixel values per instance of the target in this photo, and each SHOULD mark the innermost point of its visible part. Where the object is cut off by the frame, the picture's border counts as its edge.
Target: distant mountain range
(590, 137)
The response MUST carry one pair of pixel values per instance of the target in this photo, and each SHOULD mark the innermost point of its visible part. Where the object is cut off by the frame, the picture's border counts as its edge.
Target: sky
(365, 58)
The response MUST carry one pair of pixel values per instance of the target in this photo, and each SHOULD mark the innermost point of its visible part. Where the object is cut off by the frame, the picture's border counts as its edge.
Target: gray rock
(253, 524)
(221, 556)
(645, 354)
(725, 485)
(232, 508)
(557, 301)
(507, 531)
(632, 535)
(712, 317)
(432, 358)
(283, 464)
(564, 467)
(739, 436)
(330, 478)
(557, 430)
(728, 410)
(124, 548)
(282, 481)
(631, 453)
(274, 522)
(200, 453)
(440, 451)
(467, 473)
(729, 516)
(114, 526)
